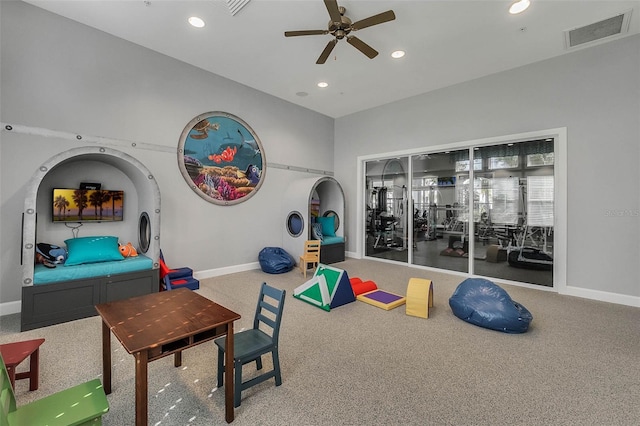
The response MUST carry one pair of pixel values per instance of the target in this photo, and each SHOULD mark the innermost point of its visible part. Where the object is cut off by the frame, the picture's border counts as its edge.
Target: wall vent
(592, 33)
(235, 5)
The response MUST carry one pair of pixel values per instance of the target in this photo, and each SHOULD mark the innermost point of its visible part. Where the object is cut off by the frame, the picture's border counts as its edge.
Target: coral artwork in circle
(221, 158)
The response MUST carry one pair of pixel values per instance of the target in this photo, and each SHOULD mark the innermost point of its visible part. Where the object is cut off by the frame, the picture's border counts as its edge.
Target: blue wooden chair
(83, 404)
(250, 345)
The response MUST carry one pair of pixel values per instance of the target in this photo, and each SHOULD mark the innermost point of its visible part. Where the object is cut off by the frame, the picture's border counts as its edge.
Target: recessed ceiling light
(323, 84)
(519, 6)
(398, 54)
(196, 22)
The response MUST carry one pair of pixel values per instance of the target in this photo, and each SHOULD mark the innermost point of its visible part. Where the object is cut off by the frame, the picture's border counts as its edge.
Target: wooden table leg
(106, 358)
(228, 375)
(142, 360)
(177, 359)
(34, 367)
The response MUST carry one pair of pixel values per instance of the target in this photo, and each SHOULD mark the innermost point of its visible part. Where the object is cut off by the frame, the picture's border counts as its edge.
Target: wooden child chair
(80, 405)
(311, 255)
(249, 345)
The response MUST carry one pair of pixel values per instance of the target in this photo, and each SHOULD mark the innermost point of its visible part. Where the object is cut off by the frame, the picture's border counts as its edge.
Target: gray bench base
(332, 253)
(55, 303)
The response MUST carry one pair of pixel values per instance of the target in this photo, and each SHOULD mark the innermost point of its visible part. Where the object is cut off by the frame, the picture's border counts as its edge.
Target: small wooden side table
(14, 353)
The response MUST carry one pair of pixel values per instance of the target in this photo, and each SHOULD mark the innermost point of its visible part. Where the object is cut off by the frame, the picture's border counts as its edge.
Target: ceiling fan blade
(305, 33)
(362, 46)
(334, 12)
(374, 20)
(327, 51)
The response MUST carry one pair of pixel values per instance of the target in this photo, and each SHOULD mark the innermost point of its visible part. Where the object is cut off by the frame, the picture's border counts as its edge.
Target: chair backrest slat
(269, 307)
(312, 246)
(268, 321)
(275, 308)
(7, 398)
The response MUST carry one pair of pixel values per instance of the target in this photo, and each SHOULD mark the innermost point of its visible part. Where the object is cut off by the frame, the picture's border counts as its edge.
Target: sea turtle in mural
(202, 128)
(193, 166)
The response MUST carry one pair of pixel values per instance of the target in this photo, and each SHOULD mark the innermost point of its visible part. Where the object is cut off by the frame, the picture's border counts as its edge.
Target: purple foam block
(383, 297)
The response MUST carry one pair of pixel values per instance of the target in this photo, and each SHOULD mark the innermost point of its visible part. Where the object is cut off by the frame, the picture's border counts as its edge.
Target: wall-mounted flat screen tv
(447, 181)
(87, 205)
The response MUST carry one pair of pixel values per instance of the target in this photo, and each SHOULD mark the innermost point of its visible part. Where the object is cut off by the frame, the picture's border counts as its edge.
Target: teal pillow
(92, 250)
(328, 225)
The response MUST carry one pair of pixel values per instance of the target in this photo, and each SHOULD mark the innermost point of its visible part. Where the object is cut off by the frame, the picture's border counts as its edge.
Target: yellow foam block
(419, 297)
(382, 299)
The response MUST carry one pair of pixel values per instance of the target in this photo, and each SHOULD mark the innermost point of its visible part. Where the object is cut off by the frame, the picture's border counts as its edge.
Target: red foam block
(360, 286)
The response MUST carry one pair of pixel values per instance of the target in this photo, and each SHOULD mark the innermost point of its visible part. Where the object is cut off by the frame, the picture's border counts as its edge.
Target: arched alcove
(318, 196)
(143, 190)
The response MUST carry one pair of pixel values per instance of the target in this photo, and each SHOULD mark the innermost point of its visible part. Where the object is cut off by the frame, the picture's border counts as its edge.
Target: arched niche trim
(298, 197)
(142, 179)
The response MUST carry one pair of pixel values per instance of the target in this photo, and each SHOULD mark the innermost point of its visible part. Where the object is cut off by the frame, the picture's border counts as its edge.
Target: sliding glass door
(485, 210)
(387, 219)
(440, 215)
(515, 212)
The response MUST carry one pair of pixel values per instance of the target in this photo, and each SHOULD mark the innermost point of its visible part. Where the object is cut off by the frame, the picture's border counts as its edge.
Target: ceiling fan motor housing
(341, 30)
(340, 27)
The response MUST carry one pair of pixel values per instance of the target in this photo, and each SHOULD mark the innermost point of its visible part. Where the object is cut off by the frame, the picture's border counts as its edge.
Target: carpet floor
(579, 363)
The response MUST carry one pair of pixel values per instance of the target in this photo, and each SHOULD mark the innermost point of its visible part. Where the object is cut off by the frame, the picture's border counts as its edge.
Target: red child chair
(176, 278)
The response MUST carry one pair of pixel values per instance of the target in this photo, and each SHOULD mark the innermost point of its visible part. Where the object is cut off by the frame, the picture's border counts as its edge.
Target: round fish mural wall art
(221, 158)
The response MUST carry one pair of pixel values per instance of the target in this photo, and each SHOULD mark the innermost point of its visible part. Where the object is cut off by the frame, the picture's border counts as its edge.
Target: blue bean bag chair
(275, 260)
(481, 302)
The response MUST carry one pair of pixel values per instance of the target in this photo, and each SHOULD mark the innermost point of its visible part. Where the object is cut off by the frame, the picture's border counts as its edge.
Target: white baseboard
(603, 296)
(9, 308)
(209, 273)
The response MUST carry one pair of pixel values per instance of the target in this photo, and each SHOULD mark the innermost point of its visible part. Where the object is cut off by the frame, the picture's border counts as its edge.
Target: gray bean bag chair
(481, 302)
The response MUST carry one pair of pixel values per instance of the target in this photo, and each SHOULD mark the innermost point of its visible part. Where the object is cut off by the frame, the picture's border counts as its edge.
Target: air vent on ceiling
(235, 5)
(607, 28)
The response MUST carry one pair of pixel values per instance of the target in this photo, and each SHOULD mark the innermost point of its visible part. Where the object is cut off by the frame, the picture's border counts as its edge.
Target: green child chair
(80, 405)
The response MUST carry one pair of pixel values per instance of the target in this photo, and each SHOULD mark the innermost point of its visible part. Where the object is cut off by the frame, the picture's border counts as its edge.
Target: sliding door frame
(559, 136)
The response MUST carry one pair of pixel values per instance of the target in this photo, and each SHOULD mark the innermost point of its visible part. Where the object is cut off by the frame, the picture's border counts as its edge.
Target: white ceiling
(447, 42)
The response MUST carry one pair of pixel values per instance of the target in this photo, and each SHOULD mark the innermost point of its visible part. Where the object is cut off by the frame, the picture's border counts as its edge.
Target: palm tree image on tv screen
(87, 205)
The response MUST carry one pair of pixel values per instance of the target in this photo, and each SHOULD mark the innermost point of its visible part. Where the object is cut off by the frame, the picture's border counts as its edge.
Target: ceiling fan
(340, 27)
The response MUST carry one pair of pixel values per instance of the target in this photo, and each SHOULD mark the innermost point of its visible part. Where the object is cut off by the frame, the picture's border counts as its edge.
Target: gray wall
(59, 75)
(594, 93)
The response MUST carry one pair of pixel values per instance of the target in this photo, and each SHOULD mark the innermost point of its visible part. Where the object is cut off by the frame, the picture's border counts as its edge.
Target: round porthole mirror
(295, 223)
(336, 218)
(144, 232)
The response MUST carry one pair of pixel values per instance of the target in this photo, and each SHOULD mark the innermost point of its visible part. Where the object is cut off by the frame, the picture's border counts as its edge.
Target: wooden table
(155, 325)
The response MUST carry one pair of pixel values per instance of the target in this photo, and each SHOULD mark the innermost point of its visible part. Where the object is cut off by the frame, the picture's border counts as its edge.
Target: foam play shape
(419, 297)
(328, 288)
(358, 286)
(480, 302)
(382, 299)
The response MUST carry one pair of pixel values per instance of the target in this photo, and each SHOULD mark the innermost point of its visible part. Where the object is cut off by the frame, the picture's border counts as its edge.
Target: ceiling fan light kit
(340, 28)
